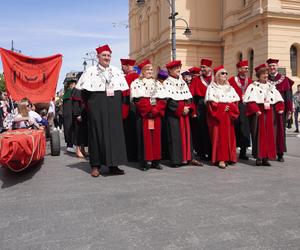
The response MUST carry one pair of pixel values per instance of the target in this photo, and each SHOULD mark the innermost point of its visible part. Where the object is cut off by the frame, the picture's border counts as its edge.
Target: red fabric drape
(22, 148)
(34, 78)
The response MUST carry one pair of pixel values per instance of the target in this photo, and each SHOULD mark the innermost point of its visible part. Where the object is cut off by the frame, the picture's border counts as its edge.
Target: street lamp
(13, 48)
(90, 56)
(173, 18)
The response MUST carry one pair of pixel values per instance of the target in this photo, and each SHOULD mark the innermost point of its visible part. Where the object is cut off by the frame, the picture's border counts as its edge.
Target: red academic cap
(218, 68)
(270, 61)
(242, 64)
(173, 64)
(261, 67)
(206, 62)
(129, 62)
(144, 63)
(194, 70)
(103, 48)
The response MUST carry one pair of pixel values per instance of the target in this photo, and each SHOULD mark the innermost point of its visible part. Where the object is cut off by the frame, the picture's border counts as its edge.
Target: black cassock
(80, 127)
(68, 121)
(174, 134)
(105, 133)
(242, 128)
(202, 140)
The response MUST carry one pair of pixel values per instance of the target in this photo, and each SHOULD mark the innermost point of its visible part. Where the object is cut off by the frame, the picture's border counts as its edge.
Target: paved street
(59, 206)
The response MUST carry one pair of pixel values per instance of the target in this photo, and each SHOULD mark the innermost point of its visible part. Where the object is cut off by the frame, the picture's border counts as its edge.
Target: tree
(2, 83)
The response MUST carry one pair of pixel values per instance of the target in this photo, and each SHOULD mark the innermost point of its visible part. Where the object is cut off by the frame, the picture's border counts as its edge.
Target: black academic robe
(180, 146)
(242, 128)
(80, 127)
(68, 121)
(105, 133)
(202, 142)
(129, 121)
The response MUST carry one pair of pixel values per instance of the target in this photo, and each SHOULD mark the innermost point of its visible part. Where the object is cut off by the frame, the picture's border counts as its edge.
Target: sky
(68, 27)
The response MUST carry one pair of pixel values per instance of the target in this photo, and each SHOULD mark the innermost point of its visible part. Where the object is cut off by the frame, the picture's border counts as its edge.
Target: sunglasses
(224, 73)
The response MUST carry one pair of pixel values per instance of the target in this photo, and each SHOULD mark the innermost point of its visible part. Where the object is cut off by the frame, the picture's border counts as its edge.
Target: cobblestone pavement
(59, 206)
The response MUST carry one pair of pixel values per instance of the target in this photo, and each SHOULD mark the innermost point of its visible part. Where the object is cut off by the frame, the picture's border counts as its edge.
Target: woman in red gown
(222, 106)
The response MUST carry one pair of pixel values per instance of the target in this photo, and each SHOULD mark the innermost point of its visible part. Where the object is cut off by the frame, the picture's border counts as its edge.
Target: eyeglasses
(202, 67)
(224, 73)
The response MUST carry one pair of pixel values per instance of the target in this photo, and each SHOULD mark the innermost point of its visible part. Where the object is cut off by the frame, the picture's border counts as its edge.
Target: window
(294, 60)
(251, 61)
(239, 56)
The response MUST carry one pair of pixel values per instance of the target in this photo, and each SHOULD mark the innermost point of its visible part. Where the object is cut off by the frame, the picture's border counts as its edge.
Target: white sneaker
(71, 150)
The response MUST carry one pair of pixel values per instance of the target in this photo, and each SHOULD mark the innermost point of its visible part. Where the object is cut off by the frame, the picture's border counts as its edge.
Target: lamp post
(173, 19)
(14, 49)
(90, 56)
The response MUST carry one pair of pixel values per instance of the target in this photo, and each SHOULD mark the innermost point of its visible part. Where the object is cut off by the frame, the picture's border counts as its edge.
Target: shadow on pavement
(10, 178)
(81, 165)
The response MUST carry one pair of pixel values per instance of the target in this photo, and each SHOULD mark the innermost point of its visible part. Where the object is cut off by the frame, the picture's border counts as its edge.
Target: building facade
(225, 31)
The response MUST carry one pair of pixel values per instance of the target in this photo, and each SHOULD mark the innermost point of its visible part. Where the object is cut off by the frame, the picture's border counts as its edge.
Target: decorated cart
(35, 79)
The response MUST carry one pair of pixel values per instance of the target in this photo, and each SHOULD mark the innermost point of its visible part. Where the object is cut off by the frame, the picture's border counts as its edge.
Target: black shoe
(258, 162)
(243, 157)
(116, 171)
(266, 163)
(175, 166)
(144, 166)
(296, 131)
(280, 159)
(156, 165)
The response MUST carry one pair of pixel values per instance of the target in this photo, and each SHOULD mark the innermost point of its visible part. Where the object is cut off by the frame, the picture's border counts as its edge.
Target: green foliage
(2, 83)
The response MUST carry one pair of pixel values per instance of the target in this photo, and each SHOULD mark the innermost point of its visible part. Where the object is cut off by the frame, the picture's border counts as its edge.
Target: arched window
(251, 61)
(294, 60)
(239, 56)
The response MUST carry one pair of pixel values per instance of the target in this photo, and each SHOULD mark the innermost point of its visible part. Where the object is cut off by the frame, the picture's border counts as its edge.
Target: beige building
(222, 30)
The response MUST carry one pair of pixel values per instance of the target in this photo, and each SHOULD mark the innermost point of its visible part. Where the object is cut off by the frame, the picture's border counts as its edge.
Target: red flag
(34, 78)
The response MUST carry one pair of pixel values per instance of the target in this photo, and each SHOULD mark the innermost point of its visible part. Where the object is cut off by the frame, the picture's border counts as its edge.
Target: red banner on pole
(34, 78)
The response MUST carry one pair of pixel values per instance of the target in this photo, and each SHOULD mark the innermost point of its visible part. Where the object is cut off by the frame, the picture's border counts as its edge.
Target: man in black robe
(79, 123)
(242, 129)
(68, 115)
(103, 85)
(129, 112)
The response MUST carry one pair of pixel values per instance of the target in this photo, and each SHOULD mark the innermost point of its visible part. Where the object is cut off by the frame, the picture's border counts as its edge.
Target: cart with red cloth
(35, 79)
(22, 148)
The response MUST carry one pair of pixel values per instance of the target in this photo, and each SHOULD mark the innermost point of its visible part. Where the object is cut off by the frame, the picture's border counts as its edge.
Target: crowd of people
(25, 114)
(187, 117)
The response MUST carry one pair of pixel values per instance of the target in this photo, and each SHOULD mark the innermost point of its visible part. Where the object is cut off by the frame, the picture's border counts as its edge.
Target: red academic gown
(284, 86)
(221, 130)
(151, 126)
(262, 129)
